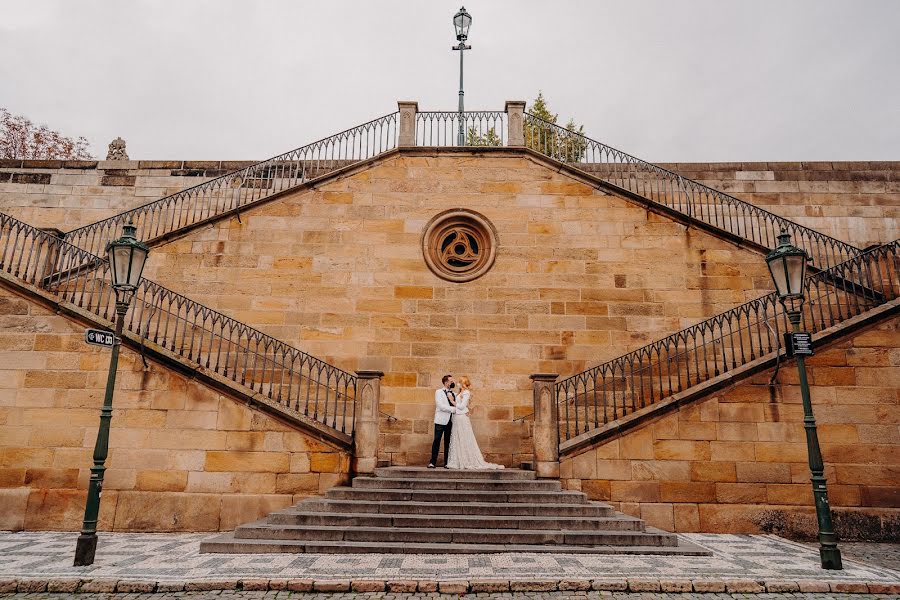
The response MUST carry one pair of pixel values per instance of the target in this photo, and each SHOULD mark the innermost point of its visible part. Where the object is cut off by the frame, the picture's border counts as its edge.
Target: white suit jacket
(443, 410)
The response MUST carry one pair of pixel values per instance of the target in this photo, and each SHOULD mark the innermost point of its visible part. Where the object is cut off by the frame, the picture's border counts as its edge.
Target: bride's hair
(464, 381)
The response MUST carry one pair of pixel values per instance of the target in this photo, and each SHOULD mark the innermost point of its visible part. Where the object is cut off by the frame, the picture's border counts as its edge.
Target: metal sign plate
(99, 337)
(799, 343)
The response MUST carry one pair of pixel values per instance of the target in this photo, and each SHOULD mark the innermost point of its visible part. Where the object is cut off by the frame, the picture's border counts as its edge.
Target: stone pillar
(365, 433)
(50, 258)
(545, 434)
(515, 118)
(408, 110)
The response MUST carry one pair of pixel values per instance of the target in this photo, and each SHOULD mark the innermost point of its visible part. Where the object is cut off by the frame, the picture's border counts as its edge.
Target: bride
(464, 450)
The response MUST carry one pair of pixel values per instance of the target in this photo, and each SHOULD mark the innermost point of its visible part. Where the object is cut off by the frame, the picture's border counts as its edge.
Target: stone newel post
(546, 426)
(515, 117)
(365, 436)
(408, 110)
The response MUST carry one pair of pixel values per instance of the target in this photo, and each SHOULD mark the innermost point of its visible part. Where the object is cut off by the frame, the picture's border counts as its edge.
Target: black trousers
(441, 430)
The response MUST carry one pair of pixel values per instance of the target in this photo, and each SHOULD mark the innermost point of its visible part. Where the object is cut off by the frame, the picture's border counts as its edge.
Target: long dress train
(464, 450)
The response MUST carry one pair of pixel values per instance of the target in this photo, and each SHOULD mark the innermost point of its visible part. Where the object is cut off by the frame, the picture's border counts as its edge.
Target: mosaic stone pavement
(236, 595)
(163, 557)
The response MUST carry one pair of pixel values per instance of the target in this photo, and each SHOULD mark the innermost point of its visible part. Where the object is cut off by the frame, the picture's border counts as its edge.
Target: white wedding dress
(464, 450)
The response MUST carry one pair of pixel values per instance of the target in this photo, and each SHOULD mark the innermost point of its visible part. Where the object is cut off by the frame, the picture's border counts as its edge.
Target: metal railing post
(408, 110)
(365, 432)
(545, 434)
(515, 120)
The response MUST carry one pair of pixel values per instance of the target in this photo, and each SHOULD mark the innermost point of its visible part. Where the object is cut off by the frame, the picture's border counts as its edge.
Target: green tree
(566, 144)
(490, 138)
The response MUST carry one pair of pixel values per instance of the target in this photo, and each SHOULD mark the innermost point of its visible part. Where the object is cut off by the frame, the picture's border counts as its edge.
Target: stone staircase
(414, 510)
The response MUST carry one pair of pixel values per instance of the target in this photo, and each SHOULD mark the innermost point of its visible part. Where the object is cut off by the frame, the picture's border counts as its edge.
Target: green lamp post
(461, 21)
(787, 265)
(127, 256)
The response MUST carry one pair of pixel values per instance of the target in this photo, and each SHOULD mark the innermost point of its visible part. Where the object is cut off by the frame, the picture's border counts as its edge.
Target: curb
(459, 586)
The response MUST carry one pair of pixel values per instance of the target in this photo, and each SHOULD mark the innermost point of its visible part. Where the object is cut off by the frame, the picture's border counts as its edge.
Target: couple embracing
(451, 421)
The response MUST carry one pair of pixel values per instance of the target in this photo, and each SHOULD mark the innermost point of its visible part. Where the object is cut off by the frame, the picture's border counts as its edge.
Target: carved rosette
(459, 245)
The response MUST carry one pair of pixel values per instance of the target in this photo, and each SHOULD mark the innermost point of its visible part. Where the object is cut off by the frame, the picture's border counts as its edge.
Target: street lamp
(461, 21)
(126, 256)
(787, 265)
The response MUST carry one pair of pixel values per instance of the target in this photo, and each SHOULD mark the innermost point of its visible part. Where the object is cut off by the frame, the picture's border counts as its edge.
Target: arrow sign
(98, 337)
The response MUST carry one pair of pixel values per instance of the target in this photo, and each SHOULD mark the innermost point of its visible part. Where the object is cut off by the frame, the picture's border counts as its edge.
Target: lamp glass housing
(462, 21)
(127, 256)
(787, 266)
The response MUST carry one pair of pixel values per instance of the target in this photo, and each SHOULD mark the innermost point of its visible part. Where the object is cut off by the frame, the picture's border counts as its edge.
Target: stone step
(616, 523)
(434, 535)
(588, 509)
(546, 485)
(227, 543)
(439, 473)
(395, 495)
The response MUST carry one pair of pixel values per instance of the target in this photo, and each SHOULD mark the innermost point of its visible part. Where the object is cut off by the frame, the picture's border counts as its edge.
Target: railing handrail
(84, 257)
(828, 274)
(212, 183)
(682, 179)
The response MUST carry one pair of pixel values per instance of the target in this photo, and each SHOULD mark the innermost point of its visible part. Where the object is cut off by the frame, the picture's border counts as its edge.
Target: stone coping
(147, 563)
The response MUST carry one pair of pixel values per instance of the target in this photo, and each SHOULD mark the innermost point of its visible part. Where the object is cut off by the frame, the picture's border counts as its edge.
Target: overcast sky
(667, 81)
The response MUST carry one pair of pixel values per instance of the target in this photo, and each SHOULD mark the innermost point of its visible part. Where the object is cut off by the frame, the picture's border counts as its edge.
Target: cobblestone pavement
(131, 562)
(235, 595)
(882, 555)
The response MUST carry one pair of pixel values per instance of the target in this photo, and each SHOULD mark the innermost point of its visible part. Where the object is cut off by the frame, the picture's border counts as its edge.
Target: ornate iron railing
(678, 193)
(244, 187)
(481, 128)
(291, 379)
(589, 400)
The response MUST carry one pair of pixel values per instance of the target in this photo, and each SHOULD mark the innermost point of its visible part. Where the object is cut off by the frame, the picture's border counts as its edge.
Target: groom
(444, 401)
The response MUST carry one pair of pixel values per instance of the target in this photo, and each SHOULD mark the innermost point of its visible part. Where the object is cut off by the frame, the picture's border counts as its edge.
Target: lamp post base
(831, 558)
(85, 549)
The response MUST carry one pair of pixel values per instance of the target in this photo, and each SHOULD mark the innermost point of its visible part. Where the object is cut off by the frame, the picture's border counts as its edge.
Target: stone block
(427, 587)
(743, 586)
(489, 586)
(254, 585)
(453, 587)
(574, 585)
(60, 586)
(675, 585)
(643, 585)
(367, 585)
(31, 586)
(609, 585)
(98, 586)
(401, 586)
(849, 587)
(708, 586)
(782, 587)
(533, 585)
(167, 511)
(333, 585)
(135, 586)
(210, 585)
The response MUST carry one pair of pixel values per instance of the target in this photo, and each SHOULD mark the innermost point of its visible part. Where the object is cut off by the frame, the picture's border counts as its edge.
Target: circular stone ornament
(459, 245)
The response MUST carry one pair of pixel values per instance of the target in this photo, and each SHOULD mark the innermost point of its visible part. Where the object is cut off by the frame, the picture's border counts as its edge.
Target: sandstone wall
(580, 277)
(857, 202)
(737, 461)
(73, 193)
(182, 457)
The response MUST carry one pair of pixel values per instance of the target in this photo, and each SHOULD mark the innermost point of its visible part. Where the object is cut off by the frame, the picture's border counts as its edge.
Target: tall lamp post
(127, 256)
(787, 265)
(461, 21)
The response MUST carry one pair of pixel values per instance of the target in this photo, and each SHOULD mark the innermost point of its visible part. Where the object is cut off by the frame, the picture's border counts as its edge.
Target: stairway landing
(414, 510)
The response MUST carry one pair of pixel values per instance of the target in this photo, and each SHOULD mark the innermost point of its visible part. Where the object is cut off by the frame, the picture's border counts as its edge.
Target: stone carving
(459, 245)
(117, 150)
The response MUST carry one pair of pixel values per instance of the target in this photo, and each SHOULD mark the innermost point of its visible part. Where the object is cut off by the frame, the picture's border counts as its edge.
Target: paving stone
(68, 586)
(643, 585)
(743, 586)
(334, 585)
(708, 585)
(8, 586)
(167, 586)
(367, 585)
(30, 586)
(574, 585)
(135, 587)
(611, 585)
(298, 585)
(533, 585)
(884, 588)
(782, 586)
(453, 587)
(397, 586)
(96, 586)
(209, 585)
(675, 585)
(427, 586)
(278, 585)
(814, 586)
(849, 588)
(252, 585)
(489, 586)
